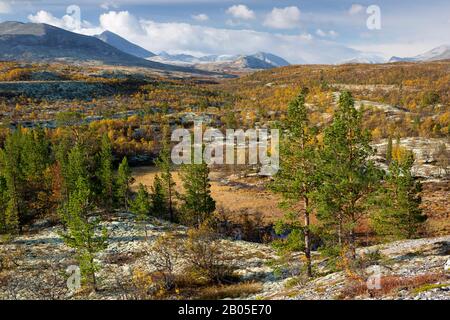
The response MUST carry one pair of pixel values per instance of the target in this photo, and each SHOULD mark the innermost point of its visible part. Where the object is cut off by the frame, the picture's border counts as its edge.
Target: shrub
(164, 254)
(206, 255)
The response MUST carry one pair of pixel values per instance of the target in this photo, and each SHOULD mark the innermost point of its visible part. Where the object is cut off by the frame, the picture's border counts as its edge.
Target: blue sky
(312, 31)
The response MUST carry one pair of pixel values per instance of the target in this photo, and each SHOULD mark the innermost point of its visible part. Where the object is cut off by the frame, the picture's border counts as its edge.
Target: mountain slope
(37, 42)
(271, 59)
(438, 53)
(124, 45)
(260, 60)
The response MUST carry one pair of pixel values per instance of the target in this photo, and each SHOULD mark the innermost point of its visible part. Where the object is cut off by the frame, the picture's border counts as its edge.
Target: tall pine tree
(348, 176)
(140, 207)
(297, 178)
(82, 231)
(124, 180)
(197, 201)
(164, 163)
(399, 214)
(105, 173)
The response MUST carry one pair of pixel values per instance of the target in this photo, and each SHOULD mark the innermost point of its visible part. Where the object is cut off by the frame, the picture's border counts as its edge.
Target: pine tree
(296, 179)
(158, 198)
(11, 159)
(3, 204)
(81, 231)
(106, 173)
(347, 175)
(197, 201)
(399, 215)
(164, 163)
(76, 167)
(140, 206)
(124, 180)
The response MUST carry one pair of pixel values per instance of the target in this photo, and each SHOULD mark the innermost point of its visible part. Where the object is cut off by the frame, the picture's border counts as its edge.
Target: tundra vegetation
(69, 161)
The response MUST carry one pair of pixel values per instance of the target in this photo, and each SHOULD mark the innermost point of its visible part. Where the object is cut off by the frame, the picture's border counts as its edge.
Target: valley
(87, 180)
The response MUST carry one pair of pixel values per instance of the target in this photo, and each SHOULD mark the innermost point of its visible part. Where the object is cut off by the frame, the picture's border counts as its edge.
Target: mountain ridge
(39, 42)
(439, 53)
(124, 45)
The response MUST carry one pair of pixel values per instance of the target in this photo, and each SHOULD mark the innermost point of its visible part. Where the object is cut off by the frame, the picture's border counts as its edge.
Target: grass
(390, 284)
(428, 287)
(239, 290)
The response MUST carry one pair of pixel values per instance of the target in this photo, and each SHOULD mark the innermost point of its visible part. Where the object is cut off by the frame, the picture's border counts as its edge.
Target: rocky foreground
(33, 266)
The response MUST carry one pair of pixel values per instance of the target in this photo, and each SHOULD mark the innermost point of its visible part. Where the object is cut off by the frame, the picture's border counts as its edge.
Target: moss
(429, 287)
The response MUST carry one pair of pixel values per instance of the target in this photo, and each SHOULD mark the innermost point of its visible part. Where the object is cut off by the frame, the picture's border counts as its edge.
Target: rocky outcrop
(33, 265)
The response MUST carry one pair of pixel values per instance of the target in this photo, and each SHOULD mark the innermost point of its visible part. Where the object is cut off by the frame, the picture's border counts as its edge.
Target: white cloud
(320, 33)
(67, 22)
(283, 18)
(333, 33)
(109, 5)
(355, 9)
(241, 11)
(5, 7)
(323, 34)
(200, 17)
(176, 37)
(122, 23)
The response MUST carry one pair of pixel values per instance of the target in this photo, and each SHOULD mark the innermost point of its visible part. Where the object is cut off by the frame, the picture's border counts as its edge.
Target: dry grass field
(249, 194)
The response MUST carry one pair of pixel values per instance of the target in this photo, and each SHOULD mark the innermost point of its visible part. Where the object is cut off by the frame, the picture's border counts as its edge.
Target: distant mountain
(365, 58)
(271, 59)
(38, 42)
(439, 53)
(260, 60)
(124, 45)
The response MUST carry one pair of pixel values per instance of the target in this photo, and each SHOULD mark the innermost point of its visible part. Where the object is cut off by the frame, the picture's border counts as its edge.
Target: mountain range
(259, 60)
(124, 45)
(439, 53)
(38, 42)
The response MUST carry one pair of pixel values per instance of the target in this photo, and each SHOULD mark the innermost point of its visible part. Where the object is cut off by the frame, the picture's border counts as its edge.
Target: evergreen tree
(158, 198)
(347, 175)
(11, 159)
(3, 204)
(197, 201)
(399, 215)
(75, 168)
(35, 162)
(164, 163)
(296, 179)
(106, 173)
(140, 206)
(124, 180)
(81, 231)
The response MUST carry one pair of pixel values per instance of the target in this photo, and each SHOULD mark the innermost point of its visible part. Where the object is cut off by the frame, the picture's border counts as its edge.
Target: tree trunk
(307, 239)
(339, 230)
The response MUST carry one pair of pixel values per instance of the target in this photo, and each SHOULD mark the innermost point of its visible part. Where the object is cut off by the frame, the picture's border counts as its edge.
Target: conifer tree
(158, 198)
(11, 157)
(297, 178)
(197, 201)
(106, 172)
(140, 206)
(124, 180)
(347, 175)
(76, 167)
(164, 163)
(82, 229)
(399, 215)
(3, 203)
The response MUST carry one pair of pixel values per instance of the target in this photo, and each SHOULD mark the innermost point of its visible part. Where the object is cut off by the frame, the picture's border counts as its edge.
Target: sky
(302, 31)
